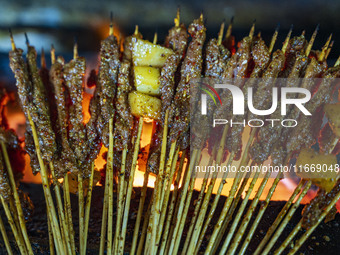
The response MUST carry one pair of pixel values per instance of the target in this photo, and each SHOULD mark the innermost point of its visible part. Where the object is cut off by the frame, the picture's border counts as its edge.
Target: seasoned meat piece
(123, 118)
(191, 69)
(5, 188)
(108, 75)
(93, 143)
(260, 56)
(312, 211)
(23, 82)
(177, 39)
(295, 48)
(40, 113)
(262, 100)
(237, 67)
(73, 73)
(167, 84)
(326, 139)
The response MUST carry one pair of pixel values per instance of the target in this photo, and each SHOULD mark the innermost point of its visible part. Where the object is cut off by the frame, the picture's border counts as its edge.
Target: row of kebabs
(53, 97)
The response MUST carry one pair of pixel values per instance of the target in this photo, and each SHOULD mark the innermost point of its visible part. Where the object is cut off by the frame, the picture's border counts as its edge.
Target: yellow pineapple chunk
(144, 105)
(145, 53)
(333, 114)
(321, 169)
(147, 80)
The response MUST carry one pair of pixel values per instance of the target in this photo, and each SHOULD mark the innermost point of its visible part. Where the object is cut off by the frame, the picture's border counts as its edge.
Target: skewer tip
(12, 40)
(252, 29)
(178, 17)
(230, 27)
(286, 42)
(220, 34)
(277, 27)
(155, 37)
(136, 30)
(111, 23)
(26, 38)
(43, 59)
(201, 16)
(52, 54)
(311, 42)
(75, 48)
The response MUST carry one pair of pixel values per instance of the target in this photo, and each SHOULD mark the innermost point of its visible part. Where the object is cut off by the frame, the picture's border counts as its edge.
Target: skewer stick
(104, 216)
(166, 198)
(5, 237)
(12, 39)
(63, 226)
(144, 229)
(199, 223)
(129, 188)
(46, 187)
(231, 210)
(155, 37)
(252, 30)
(274, 38)
(16, 199)
(262, 209)
(337, 62)
(287, 218)
(230, 28)
(157, 202)
(279, 218)
(18, 238)
(120, 202)
(185, 213)
(312, 39)
(177, 19)
(324, 49)
(305, 236)
(238, 237)
(50, 235)
(182, 201)
(220, 34)
(140, 212)
(286, 42)
(172, 203)
(198, 203)
(68, 212)
(88, 207)
(244, 161)
(329, 49)
(111, 24)
(237, 217)
(109, 184)
(187, 204)
(81, 211)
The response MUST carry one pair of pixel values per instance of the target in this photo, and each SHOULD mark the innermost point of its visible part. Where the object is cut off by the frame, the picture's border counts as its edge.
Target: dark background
(58, 22)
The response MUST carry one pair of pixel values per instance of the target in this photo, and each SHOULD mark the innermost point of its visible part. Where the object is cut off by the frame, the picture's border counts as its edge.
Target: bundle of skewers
(151, 82)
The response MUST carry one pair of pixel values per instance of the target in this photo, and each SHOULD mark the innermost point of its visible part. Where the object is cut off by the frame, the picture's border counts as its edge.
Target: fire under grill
(115, 149)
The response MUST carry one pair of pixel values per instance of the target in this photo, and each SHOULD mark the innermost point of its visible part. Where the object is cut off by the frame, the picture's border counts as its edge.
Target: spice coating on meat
(74, 73)
(123, 118)
(108, 74)
(64, 159)
(40, 112)
(177, 39)
(5, 188)
(191, 69)
(93, 136)
(295, 48)
(260, 56)
(312, 211)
